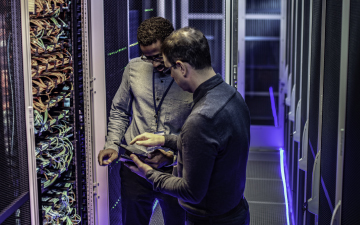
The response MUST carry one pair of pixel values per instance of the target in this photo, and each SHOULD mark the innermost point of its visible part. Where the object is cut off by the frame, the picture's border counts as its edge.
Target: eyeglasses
(168, 68)
(152, 58)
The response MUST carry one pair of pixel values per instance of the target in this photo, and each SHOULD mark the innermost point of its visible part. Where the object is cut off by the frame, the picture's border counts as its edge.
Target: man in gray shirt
(213, 144)
(150, 99)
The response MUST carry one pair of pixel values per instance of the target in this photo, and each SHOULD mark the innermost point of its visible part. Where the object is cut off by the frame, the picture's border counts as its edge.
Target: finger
(113, 157)
(168, 154)
(150, 155)
(134, 140)
(105, 163)
(100, 157)
(152, 161)
(147, 142)
(143, 143)
(132, 167)
(137, 138)
(136, 160)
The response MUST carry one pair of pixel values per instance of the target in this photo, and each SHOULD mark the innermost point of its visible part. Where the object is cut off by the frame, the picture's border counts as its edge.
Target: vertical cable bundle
(52, 89)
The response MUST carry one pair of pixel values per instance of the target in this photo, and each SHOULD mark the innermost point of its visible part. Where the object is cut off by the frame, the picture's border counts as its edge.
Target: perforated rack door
(351, 180)
(314, 98)
(304, 101)
(330, 111)
(14, 178)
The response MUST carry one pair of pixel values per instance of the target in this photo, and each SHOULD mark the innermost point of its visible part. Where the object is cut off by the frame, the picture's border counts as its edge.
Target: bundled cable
(57, 207)
(52, 89)
(49, 8)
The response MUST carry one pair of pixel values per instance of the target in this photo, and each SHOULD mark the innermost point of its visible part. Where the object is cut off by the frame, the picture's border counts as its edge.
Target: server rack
(80, 98)
(43, 113)
(56, 90)
(17, 164)
(330, 114)
(347, 178)
(312, 144)
(302, 114)
(327, 114)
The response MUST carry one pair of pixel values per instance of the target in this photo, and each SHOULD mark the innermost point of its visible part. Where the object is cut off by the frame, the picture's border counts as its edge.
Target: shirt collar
(161, 74)
(206, 86)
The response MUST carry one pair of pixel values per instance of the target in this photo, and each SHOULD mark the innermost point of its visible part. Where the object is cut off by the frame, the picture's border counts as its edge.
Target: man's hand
(107, 156)
(141, 168)
(149, 140)
(159, 158)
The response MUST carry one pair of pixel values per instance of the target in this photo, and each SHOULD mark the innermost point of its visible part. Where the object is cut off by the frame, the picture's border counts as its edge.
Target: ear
(182, 67)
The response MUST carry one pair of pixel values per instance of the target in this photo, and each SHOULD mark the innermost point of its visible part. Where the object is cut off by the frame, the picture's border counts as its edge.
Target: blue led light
(154, 206)
(272, 99)
(284, 184)
(155, 203)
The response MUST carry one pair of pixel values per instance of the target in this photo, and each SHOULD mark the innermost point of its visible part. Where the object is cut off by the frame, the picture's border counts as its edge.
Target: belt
(208, 218)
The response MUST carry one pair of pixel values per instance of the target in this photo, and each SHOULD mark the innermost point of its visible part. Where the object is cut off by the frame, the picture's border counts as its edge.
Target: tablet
(125, 158)
(130, 149)
(135, 149)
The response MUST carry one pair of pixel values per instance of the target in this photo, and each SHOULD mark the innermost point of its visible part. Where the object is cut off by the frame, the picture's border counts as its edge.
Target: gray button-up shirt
(134, 99)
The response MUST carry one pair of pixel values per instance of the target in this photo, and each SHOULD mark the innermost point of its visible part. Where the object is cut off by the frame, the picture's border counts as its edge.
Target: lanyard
(157, 109)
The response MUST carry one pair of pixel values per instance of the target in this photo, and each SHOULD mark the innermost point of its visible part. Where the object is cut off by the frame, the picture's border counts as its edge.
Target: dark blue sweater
(213, 148)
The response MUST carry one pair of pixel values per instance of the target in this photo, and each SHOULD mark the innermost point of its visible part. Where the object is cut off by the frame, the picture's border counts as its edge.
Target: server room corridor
(295, 63)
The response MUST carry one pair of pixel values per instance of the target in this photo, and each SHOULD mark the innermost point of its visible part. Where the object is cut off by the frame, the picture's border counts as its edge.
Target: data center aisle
(264, 188)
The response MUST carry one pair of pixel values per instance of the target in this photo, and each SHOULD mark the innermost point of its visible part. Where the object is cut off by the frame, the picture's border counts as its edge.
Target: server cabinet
(40, 45)
(296, 113)
(302, 123)
(347, 182)
(327, 113)
(330, 113)
(303, 59)
(18, 177)
(288, 137)
(314, 92)
(121, 19)
(350, 197)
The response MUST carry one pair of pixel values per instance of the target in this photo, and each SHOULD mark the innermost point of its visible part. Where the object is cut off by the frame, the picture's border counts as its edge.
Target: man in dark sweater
(213, 144)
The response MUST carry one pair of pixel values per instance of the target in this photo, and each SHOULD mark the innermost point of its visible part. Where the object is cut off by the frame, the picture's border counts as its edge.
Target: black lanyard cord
(157, 109)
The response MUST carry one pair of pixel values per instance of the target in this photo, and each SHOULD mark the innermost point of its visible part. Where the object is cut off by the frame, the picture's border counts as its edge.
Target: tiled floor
(264, 188)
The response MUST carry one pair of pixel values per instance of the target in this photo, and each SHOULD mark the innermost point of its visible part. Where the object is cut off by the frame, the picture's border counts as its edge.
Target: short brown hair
(188, 45)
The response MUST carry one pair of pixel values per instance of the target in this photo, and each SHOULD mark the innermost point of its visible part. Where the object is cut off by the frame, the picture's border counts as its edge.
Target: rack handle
(313, 202)
(335, 216)
(292, 104)
(297, 122)
(304, 148)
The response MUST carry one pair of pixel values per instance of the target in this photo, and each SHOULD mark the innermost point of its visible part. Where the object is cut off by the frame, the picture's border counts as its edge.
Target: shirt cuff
(171, 142)
(112, 146)
(149, 176)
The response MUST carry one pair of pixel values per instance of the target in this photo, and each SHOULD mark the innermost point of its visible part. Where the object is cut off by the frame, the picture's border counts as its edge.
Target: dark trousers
(137, 199)
(240, 215)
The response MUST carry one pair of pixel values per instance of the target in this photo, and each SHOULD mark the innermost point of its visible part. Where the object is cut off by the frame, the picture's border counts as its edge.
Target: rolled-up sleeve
(120, 112)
